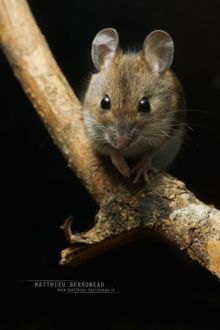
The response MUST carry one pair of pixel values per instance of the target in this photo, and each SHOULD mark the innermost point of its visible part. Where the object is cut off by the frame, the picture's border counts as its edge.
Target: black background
(159, 287)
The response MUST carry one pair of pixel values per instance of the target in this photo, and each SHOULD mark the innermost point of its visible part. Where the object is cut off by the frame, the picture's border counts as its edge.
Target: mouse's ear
(104, 47)
(158, 50)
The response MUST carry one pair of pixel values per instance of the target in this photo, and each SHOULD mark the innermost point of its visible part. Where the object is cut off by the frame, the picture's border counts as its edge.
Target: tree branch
(126, 212)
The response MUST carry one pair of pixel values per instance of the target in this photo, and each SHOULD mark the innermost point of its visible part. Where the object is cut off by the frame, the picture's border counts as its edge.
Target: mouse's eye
(105, 103)
(144, 105)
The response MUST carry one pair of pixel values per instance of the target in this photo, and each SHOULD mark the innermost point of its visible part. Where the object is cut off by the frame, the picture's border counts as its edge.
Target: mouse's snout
(121, 141)
(120, 138)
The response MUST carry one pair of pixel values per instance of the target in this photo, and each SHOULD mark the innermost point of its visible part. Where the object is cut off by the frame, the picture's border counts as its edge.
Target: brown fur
(126, 81)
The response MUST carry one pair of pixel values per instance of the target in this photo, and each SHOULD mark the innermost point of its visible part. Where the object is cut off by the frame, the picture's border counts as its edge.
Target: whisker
(191, 143)
(180, 125)
(42, 144)
(197, 110)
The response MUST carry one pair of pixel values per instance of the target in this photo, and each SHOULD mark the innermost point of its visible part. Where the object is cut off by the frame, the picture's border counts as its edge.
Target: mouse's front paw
(142, 168)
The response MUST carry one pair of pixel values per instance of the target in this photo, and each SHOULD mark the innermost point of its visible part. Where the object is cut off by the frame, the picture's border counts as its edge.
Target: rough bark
(126, 212)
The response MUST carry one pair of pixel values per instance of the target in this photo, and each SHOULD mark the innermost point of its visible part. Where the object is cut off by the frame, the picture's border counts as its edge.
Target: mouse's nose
(121, 141)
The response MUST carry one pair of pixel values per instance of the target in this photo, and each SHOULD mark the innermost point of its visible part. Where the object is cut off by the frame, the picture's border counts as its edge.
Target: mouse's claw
(142, 168)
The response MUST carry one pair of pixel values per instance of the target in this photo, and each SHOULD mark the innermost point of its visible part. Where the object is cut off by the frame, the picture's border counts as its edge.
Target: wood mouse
(134, 105)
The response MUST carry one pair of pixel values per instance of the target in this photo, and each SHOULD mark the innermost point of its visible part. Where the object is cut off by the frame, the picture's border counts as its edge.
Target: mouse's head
(133, 101)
